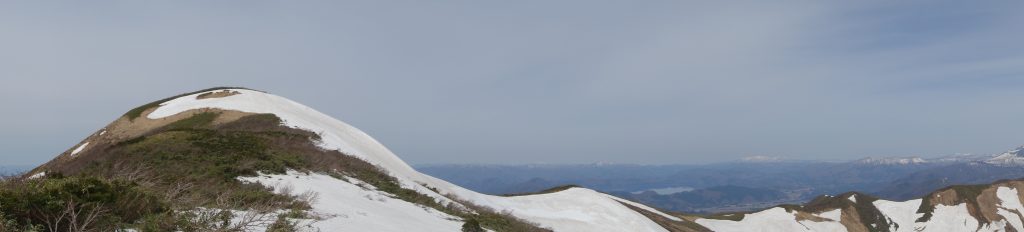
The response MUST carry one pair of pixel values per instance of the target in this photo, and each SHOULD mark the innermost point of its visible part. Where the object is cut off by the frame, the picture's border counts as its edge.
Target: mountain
(1013, 157)
(694, 200)
(235, 159)
(241, 159)
(798, 180)
(922, 182)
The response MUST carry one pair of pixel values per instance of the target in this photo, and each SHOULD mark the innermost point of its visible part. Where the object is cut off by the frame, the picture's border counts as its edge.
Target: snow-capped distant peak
(1013, 157)
(760, 159)
(892, 161)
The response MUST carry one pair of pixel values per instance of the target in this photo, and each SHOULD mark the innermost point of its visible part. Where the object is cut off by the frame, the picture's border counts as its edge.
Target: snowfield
(774, 219)
(79, 149)
(1010, 206)
(346, 206)
(901, 214)
(575, 209)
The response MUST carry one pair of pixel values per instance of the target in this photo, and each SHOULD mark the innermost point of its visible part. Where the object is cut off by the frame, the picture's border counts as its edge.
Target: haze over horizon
(661, 82)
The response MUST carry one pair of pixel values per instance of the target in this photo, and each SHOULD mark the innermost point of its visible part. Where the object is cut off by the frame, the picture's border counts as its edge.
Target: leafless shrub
(75, 217)
(308, 197)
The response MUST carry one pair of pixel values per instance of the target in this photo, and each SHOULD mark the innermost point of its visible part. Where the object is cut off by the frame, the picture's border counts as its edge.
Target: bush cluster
(74, 203)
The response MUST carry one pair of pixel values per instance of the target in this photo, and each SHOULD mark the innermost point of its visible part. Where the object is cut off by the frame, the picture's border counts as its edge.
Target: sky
(515, 82)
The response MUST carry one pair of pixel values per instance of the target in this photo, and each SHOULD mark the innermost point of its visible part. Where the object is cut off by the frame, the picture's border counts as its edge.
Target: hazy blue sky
(540, 81)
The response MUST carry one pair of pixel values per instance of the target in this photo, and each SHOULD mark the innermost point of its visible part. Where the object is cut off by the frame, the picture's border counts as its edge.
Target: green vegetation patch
(208, 158)
(471, 225)
(199, 120)
(60, 203)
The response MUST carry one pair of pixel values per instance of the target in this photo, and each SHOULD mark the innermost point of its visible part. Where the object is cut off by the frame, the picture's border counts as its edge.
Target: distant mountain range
(898, 178)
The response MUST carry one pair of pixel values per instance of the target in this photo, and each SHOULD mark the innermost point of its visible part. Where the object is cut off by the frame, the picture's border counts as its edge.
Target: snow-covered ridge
(899, 216)
(1013, 157)
(574, 209)
(892, 161)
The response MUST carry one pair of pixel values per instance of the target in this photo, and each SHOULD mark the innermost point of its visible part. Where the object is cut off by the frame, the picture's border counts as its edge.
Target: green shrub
(282, 224)
(41, 202)
(471, 225)
(198, 120)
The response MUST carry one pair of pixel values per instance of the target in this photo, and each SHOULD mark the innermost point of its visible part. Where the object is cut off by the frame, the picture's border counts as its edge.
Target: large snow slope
(575, 209)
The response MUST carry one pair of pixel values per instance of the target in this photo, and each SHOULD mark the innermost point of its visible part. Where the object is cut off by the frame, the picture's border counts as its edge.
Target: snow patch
(79, 149)
(853, 198)
(901, 215)
(350, 207)
(833, 215)
(1009, 206)
(37, 175)
(774, 219)
(949, 218)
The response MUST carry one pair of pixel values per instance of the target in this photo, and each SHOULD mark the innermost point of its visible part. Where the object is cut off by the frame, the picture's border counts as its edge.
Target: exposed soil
(850, 219)
(686, 225)
(217, 94)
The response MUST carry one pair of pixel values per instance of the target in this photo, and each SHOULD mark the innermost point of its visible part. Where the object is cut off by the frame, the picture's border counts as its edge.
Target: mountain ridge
(220, 115)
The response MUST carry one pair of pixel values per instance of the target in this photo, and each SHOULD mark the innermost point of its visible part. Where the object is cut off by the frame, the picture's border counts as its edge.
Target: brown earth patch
(945, 197)
(217, 94)
(686, 225)
(988, 203)
(851, 220)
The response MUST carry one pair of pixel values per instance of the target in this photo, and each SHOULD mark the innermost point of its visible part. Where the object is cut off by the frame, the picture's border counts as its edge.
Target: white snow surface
(644, 207)
(774, 219)
(37, 175)
(853, 198)
(79, 149)
(901, 214)
(949, 218)
(1009, 206)
(834, 215)
(574, 209)
(346, 206)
